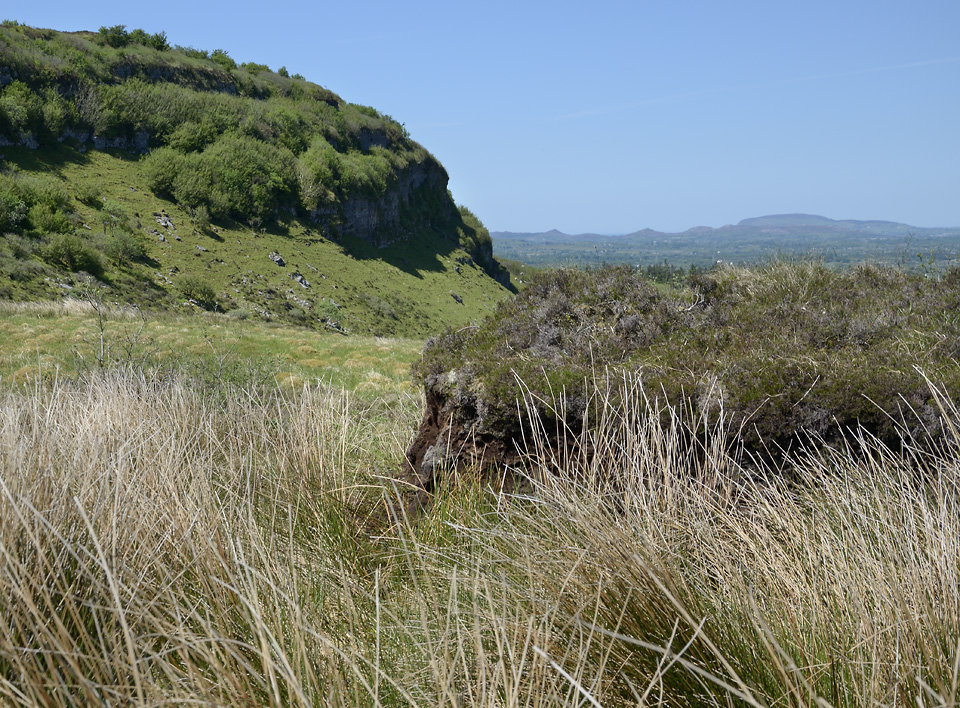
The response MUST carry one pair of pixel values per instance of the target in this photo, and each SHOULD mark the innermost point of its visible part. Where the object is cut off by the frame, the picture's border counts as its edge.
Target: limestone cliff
(416, 198)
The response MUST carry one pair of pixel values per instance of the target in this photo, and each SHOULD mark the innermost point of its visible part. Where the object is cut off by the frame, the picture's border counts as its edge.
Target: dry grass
(156, 543)
(842, 591)
(159, 545)
(69, 306)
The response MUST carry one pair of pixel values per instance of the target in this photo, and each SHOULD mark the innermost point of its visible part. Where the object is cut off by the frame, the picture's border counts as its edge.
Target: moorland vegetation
(195, 532)
(786, 353)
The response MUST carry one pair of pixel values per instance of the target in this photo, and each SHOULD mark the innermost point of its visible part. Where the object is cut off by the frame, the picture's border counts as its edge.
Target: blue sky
(624, 115)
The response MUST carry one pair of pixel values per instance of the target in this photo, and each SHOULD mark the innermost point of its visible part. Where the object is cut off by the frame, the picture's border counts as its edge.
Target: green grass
(403, 290)
(66, 339)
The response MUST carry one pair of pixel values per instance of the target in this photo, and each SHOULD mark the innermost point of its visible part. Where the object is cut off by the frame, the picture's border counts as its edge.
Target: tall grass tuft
(672, 571)
(157, 544)
(163, 545)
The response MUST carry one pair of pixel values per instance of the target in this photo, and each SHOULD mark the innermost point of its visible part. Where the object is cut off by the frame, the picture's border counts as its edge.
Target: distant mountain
(787, 220)
(812, 221)
(835, 241)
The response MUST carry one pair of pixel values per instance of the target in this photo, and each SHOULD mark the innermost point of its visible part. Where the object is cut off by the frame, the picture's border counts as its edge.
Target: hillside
(836, 242)
(173, 177)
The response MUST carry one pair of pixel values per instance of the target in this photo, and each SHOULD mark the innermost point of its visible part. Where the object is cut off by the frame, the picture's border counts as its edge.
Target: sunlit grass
(41, 339)
(173, 540)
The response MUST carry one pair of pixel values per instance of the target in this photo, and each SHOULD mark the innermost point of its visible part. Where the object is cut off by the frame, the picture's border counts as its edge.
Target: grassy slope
(404, 289)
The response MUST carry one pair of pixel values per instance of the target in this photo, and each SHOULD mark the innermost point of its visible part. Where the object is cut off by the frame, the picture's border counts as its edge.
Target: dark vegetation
(239, 150)
(785, 354)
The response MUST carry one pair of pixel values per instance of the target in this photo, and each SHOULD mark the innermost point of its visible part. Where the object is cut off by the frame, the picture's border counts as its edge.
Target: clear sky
(614, 116)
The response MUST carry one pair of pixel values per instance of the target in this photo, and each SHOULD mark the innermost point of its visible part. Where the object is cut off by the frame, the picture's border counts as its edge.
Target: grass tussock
(161, 545)
(156, 543)
(687, 576)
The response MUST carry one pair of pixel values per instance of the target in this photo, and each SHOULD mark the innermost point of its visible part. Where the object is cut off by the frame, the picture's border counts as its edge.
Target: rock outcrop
(388, 219)
(451, 439)
(139, 142)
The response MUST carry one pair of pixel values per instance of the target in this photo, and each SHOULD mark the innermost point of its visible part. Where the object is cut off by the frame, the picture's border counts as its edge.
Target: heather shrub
(74, 254)
(783, 351)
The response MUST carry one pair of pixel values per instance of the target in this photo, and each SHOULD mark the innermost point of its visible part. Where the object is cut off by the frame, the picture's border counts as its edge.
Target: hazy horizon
(717, 226)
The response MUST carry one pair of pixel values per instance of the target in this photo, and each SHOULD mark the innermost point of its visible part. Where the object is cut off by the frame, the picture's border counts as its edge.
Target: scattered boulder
(277, 258)
(300, 280)
(299, 301)
(163, 220)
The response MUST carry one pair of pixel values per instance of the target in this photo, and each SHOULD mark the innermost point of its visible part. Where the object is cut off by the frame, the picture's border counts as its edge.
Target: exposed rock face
(452, 438)
(491, 266)
(380, 220)
(27, 140)
(140, 142)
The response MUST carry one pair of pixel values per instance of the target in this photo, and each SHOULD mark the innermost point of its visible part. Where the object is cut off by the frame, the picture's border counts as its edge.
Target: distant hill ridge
(840, 241)
(786, 221)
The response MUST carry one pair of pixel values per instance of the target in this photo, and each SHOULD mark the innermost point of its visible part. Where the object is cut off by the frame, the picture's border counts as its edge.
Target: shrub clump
(235, 176)
(780, 352)
(74, 254)
(196, 289)
(33, 205)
